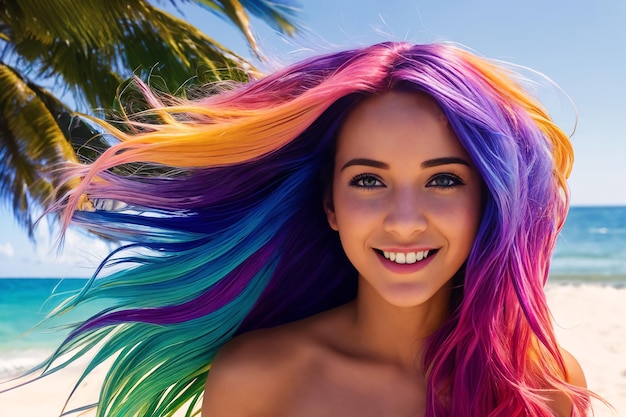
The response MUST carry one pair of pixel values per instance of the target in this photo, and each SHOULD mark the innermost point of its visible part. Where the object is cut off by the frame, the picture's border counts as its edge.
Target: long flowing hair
(223, 231)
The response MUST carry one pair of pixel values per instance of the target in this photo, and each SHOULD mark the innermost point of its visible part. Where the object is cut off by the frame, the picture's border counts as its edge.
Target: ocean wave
(14, 363)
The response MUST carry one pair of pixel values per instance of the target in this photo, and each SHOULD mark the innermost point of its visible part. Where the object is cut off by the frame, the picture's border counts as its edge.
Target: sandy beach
(589, 321)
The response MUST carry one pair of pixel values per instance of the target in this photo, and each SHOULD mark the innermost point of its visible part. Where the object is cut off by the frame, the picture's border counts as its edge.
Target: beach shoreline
(588, 322)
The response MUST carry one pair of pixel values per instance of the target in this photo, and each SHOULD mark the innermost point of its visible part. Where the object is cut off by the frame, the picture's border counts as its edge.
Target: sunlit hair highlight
(225, 231)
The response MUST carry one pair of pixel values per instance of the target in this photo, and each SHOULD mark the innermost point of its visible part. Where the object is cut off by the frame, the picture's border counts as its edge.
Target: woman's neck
(395, 334)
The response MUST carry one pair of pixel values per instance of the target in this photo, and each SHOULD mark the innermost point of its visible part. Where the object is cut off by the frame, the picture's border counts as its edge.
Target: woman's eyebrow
(426, 164)
(444, 161)
(366, 162)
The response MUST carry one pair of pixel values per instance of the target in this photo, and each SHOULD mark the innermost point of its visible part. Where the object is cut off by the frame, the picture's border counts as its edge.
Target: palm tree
(88, 48)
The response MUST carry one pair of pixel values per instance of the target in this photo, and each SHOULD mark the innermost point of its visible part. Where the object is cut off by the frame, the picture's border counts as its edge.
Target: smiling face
(406, 199)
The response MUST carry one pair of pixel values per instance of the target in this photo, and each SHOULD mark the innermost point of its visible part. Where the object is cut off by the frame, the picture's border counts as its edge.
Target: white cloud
(79, 255)
(7, 250)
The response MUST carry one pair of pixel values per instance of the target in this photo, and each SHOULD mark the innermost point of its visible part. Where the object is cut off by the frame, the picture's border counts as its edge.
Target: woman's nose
(406, 212)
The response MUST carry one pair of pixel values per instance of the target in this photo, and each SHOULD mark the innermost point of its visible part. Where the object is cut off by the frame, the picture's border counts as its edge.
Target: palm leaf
(93, 61)
(88, 48)
(280, 14)
(30, 143)
(59, 40)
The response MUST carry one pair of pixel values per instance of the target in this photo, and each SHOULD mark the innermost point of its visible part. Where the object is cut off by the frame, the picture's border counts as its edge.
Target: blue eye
(367, 181)
(445, 181)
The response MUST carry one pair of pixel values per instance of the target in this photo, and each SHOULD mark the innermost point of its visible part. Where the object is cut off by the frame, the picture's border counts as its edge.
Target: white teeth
(406, 257)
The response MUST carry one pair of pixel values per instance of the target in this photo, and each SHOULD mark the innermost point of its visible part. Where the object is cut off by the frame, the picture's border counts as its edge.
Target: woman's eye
(445, 181)
(365, 181)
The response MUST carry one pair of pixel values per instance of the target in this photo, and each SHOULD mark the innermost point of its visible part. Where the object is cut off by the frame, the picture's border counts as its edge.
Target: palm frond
(88, 48)
(235, 12)
(280, 14)
(31, 142)
(146, 39)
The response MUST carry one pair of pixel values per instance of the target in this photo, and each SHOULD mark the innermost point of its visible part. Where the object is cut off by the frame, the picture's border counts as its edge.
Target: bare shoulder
(575, 374)
(259, 367)
(252, 367)
(561, 403)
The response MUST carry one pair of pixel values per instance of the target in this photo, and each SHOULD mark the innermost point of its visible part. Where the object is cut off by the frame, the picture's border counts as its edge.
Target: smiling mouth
(407, 257)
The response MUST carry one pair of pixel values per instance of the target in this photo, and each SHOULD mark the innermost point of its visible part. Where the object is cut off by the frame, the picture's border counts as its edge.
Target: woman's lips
(406, 262)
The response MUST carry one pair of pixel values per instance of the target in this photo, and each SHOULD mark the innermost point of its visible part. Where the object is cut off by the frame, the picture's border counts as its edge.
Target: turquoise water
(591, 248)
(23, 304)
(592, 245)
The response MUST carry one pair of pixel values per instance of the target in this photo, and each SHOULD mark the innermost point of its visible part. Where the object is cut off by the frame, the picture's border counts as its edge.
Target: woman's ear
(329, 209)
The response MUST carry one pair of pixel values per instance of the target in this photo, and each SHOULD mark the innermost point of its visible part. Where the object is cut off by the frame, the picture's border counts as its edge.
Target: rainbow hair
(225, 232)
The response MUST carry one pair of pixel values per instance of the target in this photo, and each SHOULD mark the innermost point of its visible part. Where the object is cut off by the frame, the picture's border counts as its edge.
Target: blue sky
(579, 44)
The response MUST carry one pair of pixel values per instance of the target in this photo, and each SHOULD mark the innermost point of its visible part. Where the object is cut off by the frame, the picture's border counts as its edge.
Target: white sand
(590, 323)
(47, 397)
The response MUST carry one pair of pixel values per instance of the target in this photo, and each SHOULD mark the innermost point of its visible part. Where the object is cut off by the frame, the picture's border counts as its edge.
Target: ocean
(592, 246)
(590, 249)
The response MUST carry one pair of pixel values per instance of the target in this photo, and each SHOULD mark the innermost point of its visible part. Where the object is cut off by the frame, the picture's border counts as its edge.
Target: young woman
(364, 233)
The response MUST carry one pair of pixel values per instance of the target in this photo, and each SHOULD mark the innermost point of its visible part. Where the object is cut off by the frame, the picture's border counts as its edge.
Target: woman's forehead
(391, 102)
(412, 123)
